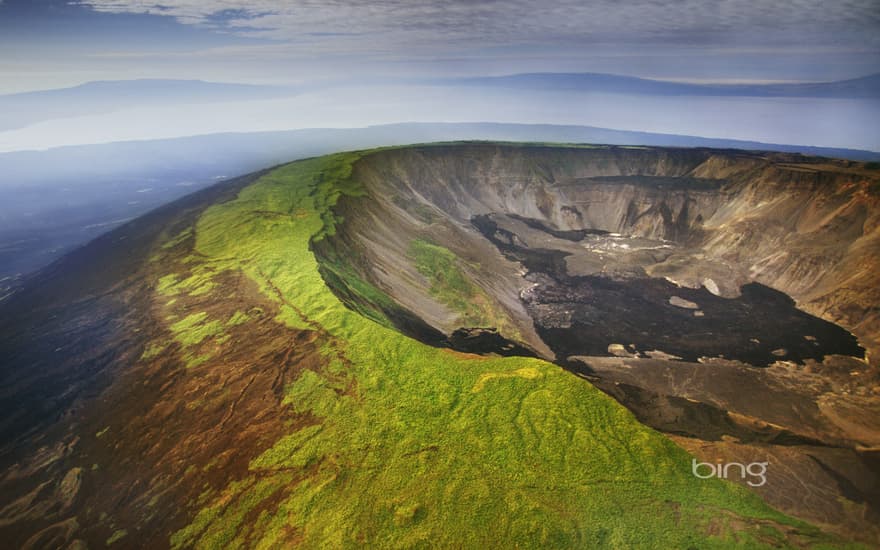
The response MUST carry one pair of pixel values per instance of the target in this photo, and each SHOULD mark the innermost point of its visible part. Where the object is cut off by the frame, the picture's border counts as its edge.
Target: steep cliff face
(806, 227)
(659, 274)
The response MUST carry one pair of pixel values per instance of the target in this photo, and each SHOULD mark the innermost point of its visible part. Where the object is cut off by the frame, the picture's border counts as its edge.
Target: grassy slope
(409, 445)
(450, 285)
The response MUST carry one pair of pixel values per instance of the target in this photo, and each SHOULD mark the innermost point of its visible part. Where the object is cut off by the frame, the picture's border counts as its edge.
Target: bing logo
(754, 471)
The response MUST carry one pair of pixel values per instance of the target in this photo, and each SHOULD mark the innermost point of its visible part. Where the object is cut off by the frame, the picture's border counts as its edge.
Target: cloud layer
(388, 25)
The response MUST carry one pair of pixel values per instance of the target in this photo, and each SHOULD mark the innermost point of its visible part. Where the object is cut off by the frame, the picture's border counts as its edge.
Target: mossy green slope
(406, 445)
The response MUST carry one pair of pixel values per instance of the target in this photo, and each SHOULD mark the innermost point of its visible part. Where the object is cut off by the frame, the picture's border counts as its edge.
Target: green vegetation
(116, 536)
(238, 318)
(177, 239)
(152, 350)
(197, 284)
(364, 297)
(166, 283)
(413, 446)
(193, 329)
(452, 287)
(448, 284)
(526, 372)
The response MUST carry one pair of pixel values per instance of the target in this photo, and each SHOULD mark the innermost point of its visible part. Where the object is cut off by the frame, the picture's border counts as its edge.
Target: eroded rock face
(806, 227)
(727, 297)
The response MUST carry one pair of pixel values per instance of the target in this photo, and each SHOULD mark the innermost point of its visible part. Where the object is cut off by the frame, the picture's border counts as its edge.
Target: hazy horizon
(796, 121)
(356, 64)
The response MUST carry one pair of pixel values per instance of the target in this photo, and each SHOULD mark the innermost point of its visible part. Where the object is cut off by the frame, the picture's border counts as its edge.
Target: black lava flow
(583, 315)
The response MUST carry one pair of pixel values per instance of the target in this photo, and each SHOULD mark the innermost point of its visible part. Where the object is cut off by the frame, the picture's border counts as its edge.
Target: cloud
(387, 25)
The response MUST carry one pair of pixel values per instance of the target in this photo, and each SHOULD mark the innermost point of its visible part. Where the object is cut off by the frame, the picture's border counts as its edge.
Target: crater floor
(610, 305)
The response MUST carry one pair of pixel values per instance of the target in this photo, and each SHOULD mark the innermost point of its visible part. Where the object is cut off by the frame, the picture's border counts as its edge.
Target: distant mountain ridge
(867, 87)
(147, 88)
(143, 86)
(26, 108)
(239, 152)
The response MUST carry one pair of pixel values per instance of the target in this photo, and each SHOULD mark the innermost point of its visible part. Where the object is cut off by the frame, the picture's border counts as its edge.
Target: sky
(350, 60)
(54, 43)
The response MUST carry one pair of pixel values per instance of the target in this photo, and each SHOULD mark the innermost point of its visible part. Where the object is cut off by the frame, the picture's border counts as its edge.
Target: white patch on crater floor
(682, 303)
(711, 287)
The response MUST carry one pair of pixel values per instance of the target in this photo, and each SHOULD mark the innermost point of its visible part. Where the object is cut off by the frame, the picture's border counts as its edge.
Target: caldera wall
(804, 226)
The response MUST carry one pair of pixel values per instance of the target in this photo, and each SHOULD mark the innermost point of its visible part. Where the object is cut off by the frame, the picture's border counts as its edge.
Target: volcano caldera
(726, 297)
